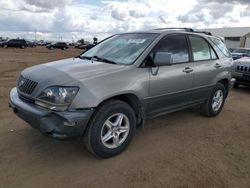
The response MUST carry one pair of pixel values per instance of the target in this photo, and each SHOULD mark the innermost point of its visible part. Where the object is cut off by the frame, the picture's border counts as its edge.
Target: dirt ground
(183, 149)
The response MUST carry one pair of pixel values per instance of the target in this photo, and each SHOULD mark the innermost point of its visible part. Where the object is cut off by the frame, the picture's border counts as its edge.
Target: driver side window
(177, 46)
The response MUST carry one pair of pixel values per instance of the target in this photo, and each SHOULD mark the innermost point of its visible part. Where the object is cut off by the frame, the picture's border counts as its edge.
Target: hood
(81, 69)
(243, 61)
(237, 54)
(69, 70)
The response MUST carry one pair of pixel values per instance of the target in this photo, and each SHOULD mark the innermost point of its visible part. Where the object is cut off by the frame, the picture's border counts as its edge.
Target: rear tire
(214, 104)
(5, 46)
(111, 129)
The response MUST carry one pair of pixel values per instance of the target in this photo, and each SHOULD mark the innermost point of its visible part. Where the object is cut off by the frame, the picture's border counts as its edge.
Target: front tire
(213, 106)
(111, 129)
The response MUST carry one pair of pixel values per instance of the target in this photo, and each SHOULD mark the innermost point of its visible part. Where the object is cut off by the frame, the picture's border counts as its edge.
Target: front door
(171, 85)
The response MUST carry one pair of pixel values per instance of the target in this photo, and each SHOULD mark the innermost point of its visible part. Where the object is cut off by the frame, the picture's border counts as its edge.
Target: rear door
(171, 86)
(58, 45)
(11, 43)
(206, 65)
(63, 45)
(18, 43)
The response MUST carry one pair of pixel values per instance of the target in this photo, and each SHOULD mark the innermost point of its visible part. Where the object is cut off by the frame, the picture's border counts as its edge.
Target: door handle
(188, 70)
(217, 65)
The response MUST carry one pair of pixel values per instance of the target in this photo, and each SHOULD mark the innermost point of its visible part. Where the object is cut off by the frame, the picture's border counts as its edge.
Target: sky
(75, 19)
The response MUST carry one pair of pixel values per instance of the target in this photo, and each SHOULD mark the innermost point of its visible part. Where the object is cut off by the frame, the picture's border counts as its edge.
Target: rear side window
(221, 45)
(175, 45)
(213, 55)
(201, 49)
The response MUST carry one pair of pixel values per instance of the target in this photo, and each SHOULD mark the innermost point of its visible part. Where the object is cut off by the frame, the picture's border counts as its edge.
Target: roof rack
(185, 29)
(176, 28)
(203, 32)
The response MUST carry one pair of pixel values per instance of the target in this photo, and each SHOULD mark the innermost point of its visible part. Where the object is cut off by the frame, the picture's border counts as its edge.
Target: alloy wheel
(217, 100)
(115, 130)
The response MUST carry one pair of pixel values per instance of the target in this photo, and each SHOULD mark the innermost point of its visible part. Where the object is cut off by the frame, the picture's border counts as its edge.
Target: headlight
(57, 97)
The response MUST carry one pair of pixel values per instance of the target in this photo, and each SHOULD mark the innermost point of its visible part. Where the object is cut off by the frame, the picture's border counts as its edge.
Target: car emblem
(20, 83)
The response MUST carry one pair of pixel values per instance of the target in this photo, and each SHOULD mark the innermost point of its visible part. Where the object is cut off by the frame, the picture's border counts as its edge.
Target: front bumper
(241, 79)
(58, 125)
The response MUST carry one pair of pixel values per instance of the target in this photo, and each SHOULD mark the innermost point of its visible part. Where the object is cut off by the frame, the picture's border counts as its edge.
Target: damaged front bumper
(58, 125)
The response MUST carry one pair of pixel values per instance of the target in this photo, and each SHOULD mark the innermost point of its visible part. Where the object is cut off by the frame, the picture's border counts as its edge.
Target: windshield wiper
(84, 57)
(103, 59)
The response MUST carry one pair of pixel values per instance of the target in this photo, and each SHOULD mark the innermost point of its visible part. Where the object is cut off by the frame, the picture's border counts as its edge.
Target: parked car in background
(88, 46)
(42, 43)
(2, 41)
(85, 46)
(242, 72)
(58, 45)
(240, 52)
(18, 43)
(231, 49)
(71, 44)
(78, 45)
(31, 43)
(109, 91)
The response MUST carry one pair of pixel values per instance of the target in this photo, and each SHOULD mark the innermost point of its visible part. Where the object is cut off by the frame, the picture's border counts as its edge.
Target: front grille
(243, 69)
(26, 86)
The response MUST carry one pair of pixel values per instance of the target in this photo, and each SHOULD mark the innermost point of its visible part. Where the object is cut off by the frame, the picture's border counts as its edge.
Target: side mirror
(162, 59)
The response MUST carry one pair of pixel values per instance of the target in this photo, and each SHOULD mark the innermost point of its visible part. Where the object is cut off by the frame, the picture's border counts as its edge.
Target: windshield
(122, 48)
(243, 51)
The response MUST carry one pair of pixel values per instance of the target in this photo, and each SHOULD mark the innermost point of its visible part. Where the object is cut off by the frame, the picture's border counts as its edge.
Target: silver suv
(242, 72)
(109, 91)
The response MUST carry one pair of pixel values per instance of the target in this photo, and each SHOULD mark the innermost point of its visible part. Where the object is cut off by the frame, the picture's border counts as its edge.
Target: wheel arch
(134, 102)
(225, 82)
(224, 78)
